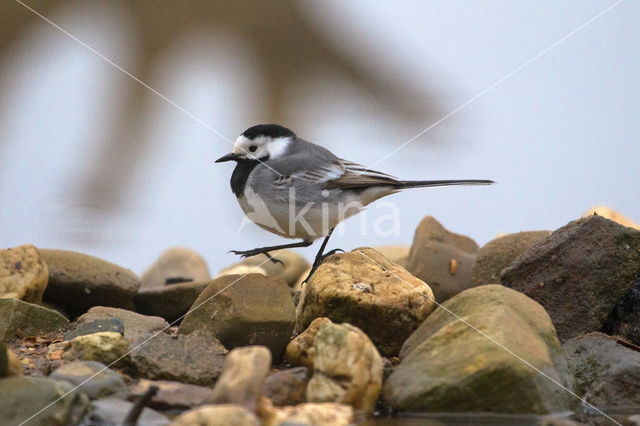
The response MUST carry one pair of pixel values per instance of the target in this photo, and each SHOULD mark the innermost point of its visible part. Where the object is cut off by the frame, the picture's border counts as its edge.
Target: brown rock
(9, 362)
(136, 327)
(441, 259)
(172, 395)
(77, 282)
(170, 302)
(365, 289)
(294, 266)
(242, 377)
(347, 368)
(301, 350)
(499, 253)
(609, 213)
(244, 310)
(217, 415)
(177, 264)
(287, 387)
(316, 414)
(579, 273)
(23, 274)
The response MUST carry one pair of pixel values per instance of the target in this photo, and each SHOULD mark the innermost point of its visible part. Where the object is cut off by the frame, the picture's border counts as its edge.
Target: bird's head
(260, 142)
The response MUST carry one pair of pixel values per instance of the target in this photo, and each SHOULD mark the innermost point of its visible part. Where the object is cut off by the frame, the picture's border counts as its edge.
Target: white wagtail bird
(297, 189)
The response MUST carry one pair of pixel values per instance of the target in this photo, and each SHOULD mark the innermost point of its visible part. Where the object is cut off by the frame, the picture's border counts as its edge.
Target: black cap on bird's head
(260, 142)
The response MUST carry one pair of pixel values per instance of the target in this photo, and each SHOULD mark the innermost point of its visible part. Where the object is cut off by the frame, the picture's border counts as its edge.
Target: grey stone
(170, 302)
(96, 326)
(112, 411)
(137, 327)
(92, 378)
(30, 318)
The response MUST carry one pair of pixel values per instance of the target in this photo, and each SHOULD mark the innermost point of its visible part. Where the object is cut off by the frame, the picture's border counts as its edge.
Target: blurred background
(522, 93)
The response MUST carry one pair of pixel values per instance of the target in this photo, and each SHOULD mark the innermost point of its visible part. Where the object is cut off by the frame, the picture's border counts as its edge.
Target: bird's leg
(320, 257)
(266, 250)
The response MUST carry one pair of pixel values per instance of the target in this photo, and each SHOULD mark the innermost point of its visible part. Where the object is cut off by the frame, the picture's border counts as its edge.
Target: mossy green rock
(448, 366)
(23, 397)
(105, 347)
(244, 310)
(30, 318)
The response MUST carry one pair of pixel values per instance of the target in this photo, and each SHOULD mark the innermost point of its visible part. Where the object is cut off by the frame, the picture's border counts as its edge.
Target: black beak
(228, 157)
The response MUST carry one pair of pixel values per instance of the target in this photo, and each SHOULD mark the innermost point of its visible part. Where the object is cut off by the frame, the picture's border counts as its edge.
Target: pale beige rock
(347, 368)
(301, 350)
(242, 377)
(105, 347)
(396, 254)
(613, 215)
(241, 270)
(217, 415)
(174, 264)
(315, 414)
(294, 266)
(364, 288)
(23, 274)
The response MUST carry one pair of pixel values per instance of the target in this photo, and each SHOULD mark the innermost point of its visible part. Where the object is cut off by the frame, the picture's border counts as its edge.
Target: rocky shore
(537, 327)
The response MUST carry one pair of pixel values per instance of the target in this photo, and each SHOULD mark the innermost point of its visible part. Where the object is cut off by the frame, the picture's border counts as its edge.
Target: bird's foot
(318, 261)
(254, 252)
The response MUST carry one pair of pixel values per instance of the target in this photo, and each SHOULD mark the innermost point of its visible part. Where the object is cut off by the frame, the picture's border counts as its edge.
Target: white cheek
(278, 147)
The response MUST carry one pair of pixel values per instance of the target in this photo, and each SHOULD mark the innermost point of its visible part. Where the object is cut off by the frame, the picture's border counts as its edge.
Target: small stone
(497, 254)
(316, 414)
(244, 310)
(287, 387)
(609, 213)
(170, 302)
(23, 274)
(448, 366)
(217, 415)
(365, 289)
(290, 270)
(113, 411)
(78, 281)
(172, 395)
(96, 326)
(9, 362)
(93, 379)
(175, 265)
(301, 350)
(29, 318)
(347, 368)
(242, 377)
(137, 327)
(569, 270)
(606, 370)
(396, 254)
(193, 358)
(432, 252)
(105, 347)
(241, 270)
(22, 399)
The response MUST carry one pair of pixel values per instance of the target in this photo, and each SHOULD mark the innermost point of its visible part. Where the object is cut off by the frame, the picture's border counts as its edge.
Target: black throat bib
(241, 174)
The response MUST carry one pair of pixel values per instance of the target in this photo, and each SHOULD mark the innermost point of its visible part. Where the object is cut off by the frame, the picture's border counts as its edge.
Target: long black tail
(425, 183)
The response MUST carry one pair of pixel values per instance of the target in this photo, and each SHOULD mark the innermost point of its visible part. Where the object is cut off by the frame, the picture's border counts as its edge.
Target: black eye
(253, 148)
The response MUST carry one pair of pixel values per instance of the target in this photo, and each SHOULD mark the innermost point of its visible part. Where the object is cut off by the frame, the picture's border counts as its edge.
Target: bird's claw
(254, 252)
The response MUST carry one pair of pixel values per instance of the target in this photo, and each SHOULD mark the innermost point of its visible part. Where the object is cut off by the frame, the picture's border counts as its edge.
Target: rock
(217, 415)
(92, 378)
(294, 266)
(607, 372)
(578, 273)
(447, 366)
(30, 318)
(175, 265)
(365, 289)
(136, 327)
(301, 350)
(244, 310)
(316, 414)
(96, 326)
(347, 368)
(9, 362)
(441, 259)
(242, 377)
(22, 399)
(112, 411)
(77, 282)
(172, 395)
(395, 254)
(239, 269)
(23, 274)
(287, 387)
(624, 319)
(497, 254)
(609, 213)
(170, 302)
(193, 358)
(106, 347)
